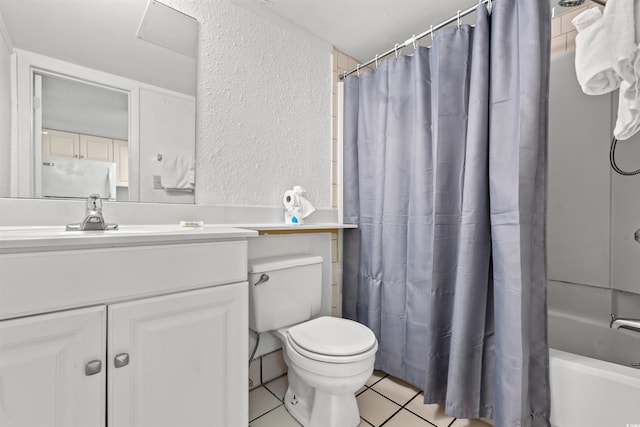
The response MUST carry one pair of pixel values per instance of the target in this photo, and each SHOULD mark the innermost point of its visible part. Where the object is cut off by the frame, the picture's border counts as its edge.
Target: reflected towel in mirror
(178, 173)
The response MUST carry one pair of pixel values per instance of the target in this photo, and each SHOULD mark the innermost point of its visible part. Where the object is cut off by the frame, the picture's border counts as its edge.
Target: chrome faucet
(93, 219)
(619, 323)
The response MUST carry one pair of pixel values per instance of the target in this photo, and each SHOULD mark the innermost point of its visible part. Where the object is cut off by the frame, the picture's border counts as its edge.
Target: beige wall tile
(353, 63)
(567, 26)
(334, 203)
(254, 373)
(558, 44)
(556, 26)
(334, 273)
(571, 40)
(273, 366)
(334, 173)
(334, 296)
(343, 61)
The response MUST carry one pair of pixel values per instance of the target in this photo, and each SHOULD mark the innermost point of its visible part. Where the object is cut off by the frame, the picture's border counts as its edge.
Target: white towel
(632, 91)
(178, 173)
(605, 47)
(619, 21)
(594, 67)
(628, 121)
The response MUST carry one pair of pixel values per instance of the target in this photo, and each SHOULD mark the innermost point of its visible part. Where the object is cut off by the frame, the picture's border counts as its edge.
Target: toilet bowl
(329, 358)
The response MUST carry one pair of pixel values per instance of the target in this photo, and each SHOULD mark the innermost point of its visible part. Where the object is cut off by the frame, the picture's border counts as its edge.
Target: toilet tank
(284, 291)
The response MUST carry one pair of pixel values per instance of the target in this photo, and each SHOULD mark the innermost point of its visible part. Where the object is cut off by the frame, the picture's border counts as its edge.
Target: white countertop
(39, 238)
(20, 239)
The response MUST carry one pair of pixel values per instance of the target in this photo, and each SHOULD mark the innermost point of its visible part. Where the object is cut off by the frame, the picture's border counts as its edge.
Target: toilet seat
(332, 340)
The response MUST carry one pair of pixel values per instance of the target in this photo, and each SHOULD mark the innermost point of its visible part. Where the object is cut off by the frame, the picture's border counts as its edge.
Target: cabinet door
(121, 157)
(96, 148)
(42, 369)
(187, 359)
(60, 144)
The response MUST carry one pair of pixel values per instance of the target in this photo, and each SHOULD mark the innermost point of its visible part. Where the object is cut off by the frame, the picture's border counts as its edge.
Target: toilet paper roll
(290, 199)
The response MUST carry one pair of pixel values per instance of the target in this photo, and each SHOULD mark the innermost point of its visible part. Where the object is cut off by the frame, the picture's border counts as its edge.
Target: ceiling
(364, 28)
(360, 28)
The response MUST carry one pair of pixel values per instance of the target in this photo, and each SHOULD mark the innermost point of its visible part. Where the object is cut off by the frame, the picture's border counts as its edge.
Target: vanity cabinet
(180, 359)
(42, 369)
(129, 336)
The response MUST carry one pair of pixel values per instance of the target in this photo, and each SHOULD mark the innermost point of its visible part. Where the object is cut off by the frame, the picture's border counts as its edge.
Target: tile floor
(383, 401)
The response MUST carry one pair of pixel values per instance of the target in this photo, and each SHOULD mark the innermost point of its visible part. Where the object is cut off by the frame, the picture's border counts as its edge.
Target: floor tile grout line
(390, 399)
(273, 394)
(388, 419)
(270, 410)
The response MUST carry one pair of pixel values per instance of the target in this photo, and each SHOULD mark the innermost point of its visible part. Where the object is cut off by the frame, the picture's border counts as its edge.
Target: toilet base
(327, 410)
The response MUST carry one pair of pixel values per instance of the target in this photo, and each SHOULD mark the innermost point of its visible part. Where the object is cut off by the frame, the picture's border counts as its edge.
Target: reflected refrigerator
(64, 177)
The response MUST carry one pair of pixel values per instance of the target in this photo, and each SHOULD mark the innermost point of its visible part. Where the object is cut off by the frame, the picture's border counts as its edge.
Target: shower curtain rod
(414, 39)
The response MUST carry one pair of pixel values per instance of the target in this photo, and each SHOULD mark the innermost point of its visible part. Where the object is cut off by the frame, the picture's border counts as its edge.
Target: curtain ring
(358, 69)
(413, 41)
(458, 19)
(396, 49)
(489, 5)
(376, 61)
(431, 32)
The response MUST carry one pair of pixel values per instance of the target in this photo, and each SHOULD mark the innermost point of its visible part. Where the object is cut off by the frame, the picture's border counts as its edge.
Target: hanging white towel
(632, 91)
(605, 47)
(628, 121)
(594, 68)
(178, 173)
(619, 22)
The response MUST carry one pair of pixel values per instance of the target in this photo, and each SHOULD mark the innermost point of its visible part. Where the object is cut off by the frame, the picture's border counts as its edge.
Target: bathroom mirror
(68, 50)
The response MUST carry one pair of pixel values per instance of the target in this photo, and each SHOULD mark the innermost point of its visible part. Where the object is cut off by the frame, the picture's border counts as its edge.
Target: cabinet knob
(93, 367)
(121, 360)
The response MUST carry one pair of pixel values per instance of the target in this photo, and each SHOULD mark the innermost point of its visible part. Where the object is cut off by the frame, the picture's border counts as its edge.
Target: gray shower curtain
(445, 175)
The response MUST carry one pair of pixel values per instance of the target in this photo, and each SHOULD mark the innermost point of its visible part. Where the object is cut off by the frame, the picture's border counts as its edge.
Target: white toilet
(328, 358)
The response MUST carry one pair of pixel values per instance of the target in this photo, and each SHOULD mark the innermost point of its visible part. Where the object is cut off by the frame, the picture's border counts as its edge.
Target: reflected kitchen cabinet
(121, 159)
(96, 148)
(60, 144)
(90, 147)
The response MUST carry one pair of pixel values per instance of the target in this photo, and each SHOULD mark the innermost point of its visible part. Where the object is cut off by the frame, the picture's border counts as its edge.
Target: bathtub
(592, 391)
(587, 392)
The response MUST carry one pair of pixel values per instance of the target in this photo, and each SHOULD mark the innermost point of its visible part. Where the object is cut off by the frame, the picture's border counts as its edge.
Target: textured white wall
(263, 108)
(5, 117)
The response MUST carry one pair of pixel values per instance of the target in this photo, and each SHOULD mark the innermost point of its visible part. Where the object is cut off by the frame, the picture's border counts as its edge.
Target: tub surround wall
(594, 267)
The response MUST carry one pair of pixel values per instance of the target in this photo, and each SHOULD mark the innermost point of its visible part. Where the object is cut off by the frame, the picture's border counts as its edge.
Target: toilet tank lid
(261, 265)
